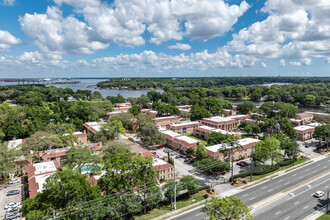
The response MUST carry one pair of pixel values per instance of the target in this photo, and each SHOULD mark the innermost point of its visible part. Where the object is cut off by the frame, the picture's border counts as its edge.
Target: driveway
(4, 200)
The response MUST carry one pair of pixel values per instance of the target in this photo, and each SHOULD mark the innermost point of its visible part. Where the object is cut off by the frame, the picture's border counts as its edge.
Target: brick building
(149, 111)
(222, 123)
(38, 173)
(60, 153)
(166, 170)
(305, 132)
(182, 143)
(92, 127)
(170, 135)
(305, 117)
(296, 122)
(81, 137)
(167, 121)
(246, 146)
(204, 131)
(185, 128)
(229, 112)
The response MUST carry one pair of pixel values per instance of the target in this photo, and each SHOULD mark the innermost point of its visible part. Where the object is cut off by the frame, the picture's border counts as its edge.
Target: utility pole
(327, 202)
(232, 164)
(174, 189)
(251, 165)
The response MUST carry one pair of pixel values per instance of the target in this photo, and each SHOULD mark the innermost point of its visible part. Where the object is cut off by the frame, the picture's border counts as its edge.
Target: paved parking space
(4, 200)
(307, 148)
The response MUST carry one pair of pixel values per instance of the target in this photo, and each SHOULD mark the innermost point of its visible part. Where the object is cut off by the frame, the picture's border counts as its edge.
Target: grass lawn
(166, 209)
(324, 217)
(202, 141)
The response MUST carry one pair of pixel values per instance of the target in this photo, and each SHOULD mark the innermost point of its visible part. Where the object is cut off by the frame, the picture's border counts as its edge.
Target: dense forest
(39, 106)
(299, 91)
(162, 83)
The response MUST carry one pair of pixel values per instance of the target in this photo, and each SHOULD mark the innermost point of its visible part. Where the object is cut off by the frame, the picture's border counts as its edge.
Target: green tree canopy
(62, 190)
(200, 152)
(7, 161)
(246, 107)
(149, 134)
(268, 149)
(135, 110)
(227, 208)
(78, 157)
(110, 131)
(113, 148)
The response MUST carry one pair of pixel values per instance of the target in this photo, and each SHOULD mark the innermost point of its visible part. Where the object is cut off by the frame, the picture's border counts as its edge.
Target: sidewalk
(227, 190)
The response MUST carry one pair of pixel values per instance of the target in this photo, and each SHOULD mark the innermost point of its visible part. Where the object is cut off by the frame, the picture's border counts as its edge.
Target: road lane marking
(311, 188)
(245, 195)
(277, 213)
(264, 187)
(286, 183)
(305, 207)
(287, 218)
(279, 181)
(270, 190)
(294, 175)
(199, 214)
(252, 198)
(325, 167)
(307, 169)
(318, 165)
(296, 202)
(301, 177)
(314, 171)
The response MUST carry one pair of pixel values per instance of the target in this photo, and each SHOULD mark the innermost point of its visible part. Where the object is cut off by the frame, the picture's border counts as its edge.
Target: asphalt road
(297, 205)
(264, 190)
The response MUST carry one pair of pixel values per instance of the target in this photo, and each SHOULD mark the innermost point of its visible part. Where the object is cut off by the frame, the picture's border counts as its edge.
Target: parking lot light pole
(174, 189)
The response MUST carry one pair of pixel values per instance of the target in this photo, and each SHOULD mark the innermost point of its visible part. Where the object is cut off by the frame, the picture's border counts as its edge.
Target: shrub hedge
(267, 169)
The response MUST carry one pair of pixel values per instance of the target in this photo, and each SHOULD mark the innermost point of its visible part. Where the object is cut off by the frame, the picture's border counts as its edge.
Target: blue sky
(70, 38)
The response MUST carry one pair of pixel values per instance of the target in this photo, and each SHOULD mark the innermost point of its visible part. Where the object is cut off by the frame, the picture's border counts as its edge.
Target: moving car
(318, 194)
(14, 181)
(13, 192)
(12, 215)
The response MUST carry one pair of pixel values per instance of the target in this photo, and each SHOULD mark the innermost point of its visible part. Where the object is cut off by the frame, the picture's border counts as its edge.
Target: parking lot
(307, 148)
(183, 168)
(4, 200)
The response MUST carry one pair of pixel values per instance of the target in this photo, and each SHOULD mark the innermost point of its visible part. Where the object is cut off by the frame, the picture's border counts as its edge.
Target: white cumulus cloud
(6, 40)
(125, 21)
(180, 46)
(9, 2)
(282, 62)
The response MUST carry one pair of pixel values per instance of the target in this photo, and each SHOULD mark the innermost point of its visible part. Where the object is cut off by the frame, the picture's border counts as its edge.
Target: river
(90, 84)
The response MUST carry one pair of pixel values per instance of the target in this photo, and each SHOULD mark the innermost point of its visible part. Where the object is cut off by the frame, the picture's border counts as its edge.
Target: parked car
(154, 153)
(161, 146)
(156, 156)
(12, 215)
(318, 194)
(245, 163)
(13, 209)
(14, 181)
(13, 192)
(240, 164)
(12, 204)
